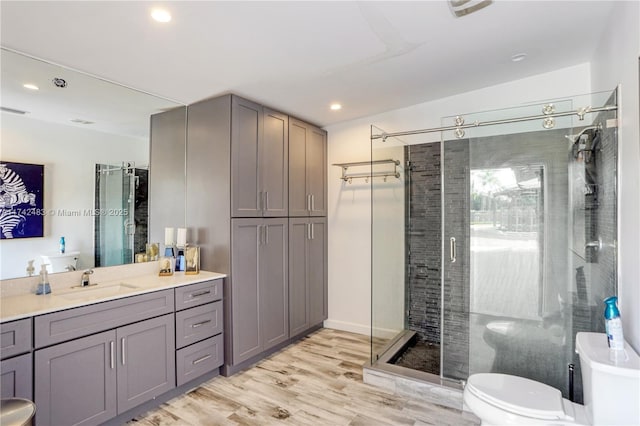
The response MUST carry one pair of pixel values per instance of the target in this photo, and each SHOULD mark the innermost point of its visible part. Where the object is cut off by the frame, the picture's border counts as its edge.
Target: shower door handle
(452, 249)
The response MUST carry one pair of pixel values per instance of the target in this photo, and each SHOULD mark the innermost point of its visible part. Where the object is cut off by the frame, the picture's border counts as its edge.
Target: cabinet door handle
(452, 249)
(266, 200)
(313, 202)
(112, 345)
(266, 234)
(199, 360)
(201, 293)
(308, 202)
(122, 341)
(313, 229)
(308, 231)
(200, 324)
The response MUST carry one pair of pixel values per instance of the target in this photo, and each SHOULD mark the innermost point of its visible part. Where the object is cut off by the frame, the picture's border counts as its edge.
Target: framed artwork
(21, 200)
(167, 265)
(192, 260)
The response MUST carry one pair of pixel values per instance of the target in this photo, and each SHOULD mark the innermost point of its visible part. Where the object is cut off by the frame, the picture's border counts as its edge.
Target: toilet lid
(518, 395)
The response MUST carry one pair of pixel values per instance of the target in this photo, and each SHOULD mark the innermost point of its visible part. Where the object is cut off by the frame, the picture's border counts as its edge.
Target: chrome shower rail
(579, 112)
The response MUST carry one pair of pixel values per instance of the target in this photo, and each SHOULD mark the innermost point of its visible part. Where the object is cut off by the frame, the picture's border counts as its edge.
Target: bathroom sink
(97, 291)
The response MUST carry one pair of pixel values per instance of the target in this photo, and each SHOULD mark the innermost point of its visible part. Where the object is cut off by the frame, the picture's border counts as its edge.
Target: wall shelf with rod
(348, 177)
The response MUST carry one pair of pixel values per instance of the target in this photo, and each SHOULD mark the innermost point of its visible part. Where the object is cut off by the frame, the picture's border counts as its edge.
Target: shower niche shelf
(359, 165)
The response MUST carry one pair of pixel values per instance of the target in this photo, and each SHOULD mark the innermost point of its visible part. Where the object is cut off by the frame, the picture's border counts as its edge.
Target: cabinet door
(299, 233)
(146, 361)
(274, 164)
(272, 284)
(75, 382)
(17, 373)
(317, 271)
(316, 163)
(246, 137)
(299, 198)
(246, 235)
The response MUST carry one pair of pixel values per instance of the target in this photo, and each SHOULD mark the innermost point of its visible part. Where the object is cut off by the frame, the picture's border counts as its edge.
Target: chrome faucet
(85, 281)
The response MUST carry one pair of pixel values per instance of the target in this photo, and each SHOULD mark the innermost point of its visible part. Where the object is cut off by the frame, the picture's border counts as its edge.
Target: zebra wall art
(21, 200)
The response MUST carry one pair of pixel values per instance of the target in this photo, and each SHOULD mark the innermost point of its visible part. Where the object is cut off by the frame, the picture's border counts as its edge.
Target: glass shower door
(516, 285)
(120, 213)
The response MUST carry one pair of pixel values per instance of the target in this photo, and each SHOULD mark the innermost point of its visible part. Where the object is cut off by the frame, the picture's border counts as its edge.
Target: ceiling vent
(464, 7)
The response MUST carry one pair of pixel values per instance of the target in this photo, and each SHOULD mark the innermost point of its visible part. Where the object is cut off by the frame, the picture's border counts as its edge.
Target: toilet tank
(61, 262)
(611, 388)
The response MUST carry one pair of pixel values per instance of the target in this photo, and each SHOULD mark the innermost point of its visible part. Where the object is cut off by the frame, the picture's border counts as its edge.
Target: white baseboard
(360, 329)
(348, 326)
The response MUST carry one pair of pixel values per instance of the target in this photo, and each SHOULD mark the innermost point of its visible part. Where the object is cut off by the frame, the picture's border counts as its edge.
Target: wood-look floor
(317, 381)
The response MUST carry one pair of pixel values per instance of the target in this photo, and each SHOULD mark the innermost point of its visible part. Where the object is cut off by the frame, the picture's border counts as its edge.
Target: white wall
(616, 62)
(350, 208)
(69, 155)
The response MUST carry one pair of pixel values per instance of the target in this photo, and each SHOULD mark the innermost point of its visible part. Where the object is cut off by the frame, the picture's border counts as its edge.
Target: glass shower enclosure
(497, 244)
(121, 213)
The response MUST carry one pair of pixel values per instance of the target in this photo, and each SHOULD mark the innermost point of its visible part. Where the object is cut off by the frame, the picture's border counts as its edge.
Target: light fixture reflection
(161, 15)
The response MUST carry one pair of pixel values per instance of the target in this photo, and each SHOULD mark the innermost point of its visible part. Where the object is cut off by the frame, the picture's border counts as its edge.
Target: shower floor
(421, 355)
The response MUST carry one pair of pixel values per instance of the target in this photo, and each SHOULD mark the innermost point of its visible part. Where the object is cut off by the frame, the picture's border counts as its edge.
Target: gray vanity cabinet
(15, 351)
(146, 361)
(89, 380)
(16, 377)
(259, 311)
(307, 273)
(307, 169)
(259, 160)
(75, 382)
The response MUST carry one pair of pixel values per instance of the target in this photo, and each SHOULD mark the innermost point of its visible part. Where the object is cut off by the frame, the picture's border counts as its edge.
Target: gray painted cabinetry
(96, 362)
(307, 273)
(15, 349)
(259, 267)
(92, 379)
(249, 169)
(259, 160)
(307, 169)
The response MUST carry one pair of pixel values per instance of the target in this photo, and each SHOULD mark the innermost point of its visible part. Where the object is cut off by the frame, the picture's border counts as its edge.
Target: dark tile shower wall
(424, 251)
(423, 229)
(598, 264)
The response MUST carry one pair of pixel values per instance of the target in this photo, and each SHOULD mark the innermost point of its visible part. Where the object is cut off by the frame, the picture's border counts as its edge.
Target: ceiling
(301, 56)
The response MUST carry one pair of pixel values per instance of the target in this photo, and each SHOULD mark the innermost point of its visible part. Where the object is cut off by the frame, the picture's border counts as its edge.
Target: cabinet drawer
(198, 359)
(199, 323)
(198, 294)
(15, 337)
(73, 323)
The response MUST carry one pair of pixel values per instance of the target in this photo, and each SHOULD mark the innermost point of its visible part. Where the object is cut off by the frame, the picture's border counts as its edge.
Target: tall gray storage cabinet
(307, 273)
(239, 183)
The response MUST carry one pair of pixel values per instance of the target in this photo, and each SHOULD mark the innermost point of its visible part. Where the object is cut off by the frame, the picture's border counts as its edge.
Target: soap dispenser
(43, 286)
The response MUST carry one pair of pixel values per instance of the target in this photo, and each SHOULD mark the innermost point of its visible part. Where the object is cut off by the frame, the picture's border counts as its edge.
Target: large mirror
(74, 165)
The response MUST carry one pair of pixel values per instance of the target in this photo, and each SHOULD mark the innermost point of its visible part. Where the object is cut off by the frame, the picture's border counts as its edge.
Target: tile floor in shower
(420, 355)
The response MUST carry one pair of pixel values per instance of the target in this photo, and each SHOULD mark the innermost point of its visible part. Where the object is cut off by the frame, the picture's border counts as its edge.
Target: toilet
(61, 262)
(611, 392)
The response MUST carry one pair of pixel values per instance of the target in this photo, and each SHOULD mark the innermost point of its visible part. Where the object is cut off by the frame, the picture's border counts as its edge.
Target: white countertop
(28, 305)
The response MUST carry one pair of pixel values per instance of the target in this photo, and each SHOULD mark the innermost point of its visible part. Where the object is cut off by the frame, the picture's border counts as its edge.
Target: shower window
(507, 233)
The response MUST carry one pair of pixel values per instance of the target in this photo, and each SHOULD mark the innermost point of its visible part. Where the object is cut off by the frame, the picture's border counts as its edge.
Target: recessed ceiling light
(335, 107)
(30, 86)
(518, 57)
(161, 15)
